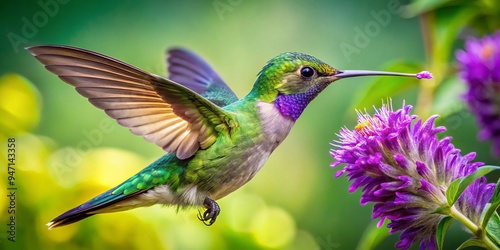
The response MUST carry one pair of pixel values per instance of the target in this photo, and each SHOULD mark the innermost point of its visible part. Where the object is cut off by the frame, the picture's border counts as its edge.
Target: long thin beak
(355, 73)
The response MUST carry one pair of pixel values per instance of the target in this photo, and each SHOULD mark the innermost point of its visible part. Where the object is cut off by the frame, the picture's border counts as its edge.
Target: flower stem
(427, 89)
(475, 229)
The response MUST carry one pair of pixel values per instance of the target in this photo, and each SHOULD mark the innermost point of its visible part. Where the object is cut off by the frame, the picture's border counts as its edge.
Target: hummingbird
(214, 142)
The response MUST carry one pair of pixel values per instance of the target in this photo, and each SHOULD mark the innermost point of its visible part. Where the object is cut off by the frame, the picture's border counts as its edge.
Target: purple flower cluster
(405, 170)
(479, 66)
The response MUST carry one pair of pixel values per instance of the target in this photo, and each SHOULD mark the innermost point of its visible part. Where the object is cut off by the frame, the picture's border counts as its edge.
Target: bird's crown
(291, 61)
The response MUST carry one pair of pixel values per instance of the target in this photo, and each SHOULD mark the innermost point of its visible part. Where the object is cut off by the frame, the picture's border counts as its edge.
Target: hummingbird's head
(291, 80)
(294, 73)
(299, 73)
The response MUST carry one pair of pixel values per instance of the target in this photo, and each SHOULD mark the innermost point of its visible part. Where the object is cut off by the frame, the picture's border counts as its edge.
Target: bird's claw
(210, 215)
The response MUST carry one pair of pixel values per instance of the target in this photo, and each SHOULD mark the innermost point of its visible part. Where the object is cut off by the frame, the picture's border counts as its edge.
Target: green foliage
(485, 17)
(458, 186)
(471, 243)
(492, 207)
(443, 226)
(420, 6)
(493, 229)
(490, 219)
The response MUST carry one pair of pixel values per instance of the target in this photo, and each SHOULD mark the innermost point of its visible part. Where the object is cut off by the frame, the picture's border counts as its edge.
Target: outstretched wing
(192, 71)
(162, 111)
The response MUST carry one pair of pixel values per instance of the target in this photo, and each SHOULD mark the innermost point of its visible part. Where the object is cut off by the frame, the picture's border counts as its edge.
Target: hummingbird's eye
(307, 72)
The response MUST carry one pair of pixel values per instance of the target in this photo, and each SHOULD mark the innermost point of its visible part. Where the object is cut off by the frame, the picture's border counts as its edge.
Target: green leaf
(384, 87)
(471, 243)
(493, 228)
(492, 207)
(458, 186)
(420, 6)
(441, 230)
(451, 192)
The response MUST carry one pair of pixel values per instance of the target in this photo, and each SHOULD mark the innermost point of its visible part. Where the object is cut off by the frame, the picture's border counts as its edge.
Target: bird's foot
(210, 215)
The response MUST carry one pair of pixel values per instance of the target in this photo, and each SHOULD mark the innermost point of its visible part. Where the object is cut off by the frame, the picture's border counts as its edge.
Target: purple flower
(475, 197)
(405, 170)
(479, 67)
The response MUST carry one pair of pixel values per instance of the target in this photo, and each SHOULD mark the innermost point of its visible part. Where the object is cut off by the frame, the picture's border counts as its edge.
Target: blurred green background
(293, 203)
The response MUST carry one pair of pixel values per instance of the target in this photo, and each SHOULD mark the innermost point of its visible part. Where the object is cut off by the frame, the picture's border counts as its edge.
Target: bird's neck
(290, 106)
(275, 125)
(264, 88)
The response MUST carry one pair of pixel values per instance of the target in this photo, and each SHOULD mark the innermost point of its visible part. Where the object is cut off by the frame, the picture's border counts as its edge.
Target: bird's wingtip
(30, 48)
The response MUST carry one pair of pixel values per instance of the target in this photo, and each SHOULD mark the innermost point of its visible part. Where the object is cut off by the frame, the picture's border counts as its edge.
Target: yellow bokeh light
(273, 227)
(111, 166)
(241, 209)
(20, 105)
